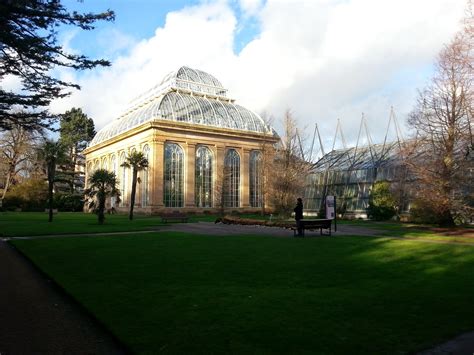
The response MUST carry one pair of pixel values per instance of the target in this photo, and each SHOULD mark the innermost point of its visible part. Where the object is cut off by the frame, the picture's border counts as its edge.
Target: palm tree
(102, 184)
(136, 161)
(51, 153)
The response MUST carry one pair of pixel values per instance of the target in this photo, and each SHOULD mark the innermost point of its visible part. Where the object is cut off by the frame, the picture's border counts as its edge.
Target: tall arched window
(255, 178)
(203, 184)
(104, 163)
(174, 175)
(123, 180)
(113, 168)
(96, 165)
(232, 179)
(144, 179)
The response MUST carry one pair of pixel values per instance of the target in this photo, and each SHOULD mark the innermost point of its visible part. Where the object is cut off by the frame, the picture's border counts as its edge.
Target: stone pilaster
(155, 173)
(244, 178)
(190, 168)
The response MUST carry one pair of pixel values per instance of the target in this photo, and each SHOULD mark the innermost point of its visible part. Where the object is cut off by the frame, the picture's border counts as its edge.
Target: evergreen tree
(76, 131)
(30, 51)
(136, 161)
(102, 184)
(51, 153)
(381, 202)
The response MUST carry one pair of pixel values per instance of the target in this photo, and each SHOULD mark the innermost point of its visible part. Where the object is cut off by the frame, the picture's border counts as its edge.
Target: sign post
(331, 209)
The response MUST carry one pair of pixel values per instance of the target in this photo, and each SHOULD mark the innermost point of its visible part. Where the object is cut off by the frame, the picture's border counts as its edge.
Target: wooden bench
(312, 224)
(174, 217)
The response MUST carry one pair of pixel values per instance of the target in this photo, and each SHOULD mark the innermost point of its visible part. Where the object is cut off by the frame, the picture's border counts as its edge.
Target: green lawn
(16, 224)
(414, 231)
(34, 223)
(178, 293)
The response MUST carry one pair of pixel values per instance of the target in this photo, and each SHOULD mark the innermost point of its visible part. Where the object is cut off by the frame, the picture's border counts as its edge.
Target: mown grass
(14, 224)
(464, 234)
(181, 293)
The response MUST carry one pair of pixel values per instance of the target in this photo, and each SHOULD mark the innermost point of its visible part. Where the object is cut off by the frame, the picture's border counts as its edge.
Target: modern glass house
(203, 148)
(350, 173)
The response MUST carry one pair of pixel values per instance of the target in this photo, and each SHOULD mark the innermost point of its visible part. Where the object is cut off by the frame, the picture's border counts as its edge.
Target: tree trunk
(7, 185)
(101, 209)
(50, 200)
(133, 192)
(51, 173)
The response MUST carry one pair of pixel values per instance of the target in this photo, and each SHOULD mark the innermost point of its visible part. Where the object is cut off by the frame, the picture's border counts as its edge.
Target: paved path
(37, 318)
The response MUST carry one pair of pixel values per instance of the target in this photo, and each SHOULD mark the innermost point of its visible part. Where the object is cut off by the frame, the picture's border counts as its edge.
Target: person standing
(299, 215)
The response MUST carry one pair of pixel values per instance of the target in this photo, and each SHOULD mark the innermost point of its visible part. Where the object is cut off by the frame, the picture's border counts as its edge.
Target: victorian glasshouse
(203, 149)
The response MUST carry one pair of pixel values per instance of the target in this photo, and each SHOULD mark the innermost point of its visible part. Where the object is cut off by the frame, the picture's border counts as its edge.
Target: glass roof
(202, 102)
(366, 157)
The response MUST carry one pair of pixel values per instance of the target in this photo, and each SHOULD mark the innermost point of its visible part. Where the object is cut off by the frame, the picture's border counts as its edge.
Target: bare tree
(266, 165)
(17, 150)
(290, 169)
(440, 155)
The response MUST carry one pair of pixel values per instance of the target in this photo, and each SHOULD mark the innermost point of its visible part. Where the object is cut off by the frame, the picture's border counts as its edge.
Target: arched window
(104, 163)
(255, 178)
(232, 179)
(173, 175)
(96, 165)
(203, 180)
(123, 180)
(113, 168)
(144, 179)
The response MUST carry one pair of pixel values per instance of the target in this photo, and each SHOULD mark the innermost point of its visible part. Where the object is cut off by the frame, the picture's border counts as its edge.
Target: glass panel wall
(144, 179)
(173, 175)
(203, 184)
(255, 178)
(232, 179)
(123, 181)
(113, 168)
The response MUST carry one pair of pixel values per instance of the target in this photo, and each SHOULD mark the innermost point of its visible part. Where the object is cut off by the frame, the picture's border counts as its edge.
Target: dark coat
(298, 211)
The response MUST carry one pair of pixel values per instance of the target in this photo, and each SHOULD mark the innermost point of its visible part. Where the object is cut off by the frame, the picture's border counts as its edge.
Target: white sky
(323, 59)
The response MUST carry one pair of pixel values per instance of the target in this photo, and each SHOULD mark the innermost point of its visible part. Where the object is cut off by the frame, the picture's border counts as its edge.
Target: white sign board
(330, 207)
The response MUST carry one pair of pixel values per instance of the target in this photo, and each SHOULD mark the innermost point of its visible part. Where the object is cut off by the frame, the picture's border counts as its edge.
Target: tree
(102, 184)
(76, 131)
(290, 168)
(17, 149)
(51, 153)
(266, 165)
(381, 202)
(30, 51)
(439, 156)
(137, 162)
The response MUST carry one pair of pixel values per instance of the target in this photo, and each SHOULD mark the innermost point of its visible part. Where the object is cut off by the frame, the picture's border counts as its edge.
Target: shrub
(30, 195)
(69, 202)
(381, 202)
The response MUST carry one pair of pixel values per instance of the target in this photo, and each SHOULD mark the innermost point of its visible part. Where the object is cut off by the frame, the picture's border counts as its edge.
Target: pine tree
(30, 51)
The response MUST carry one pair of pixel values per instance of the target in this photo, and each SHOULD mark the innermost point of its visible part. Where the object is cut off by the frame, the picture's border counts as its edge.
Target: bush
(30, 195)
(68, 202)
(381, 203)
(423, 211)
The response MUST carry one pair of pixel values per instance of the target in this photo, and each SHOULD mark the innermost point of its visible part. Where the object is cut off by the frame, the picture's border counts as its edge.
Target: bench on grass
(312, 224)
(174, 217)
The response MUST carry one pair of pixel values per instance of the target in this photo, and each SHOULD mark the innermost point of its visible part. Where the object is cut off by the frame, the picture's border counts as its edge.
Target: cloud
(323, 59)
(250, 7)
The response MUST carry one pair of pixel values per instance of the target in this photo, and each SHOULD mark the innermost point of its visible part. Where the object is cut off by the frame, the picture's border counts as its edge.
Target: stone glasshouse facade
(204, 150)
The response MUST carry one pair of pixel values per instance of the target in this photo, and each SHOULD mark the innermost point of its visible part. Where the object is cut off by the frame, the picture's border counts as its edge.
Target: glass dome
(187, 95)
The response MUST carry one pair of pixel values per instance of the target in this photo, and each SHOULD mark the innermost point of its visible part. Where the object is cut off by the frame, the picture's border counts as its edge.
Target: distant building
(202, 147)
(350, 173)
